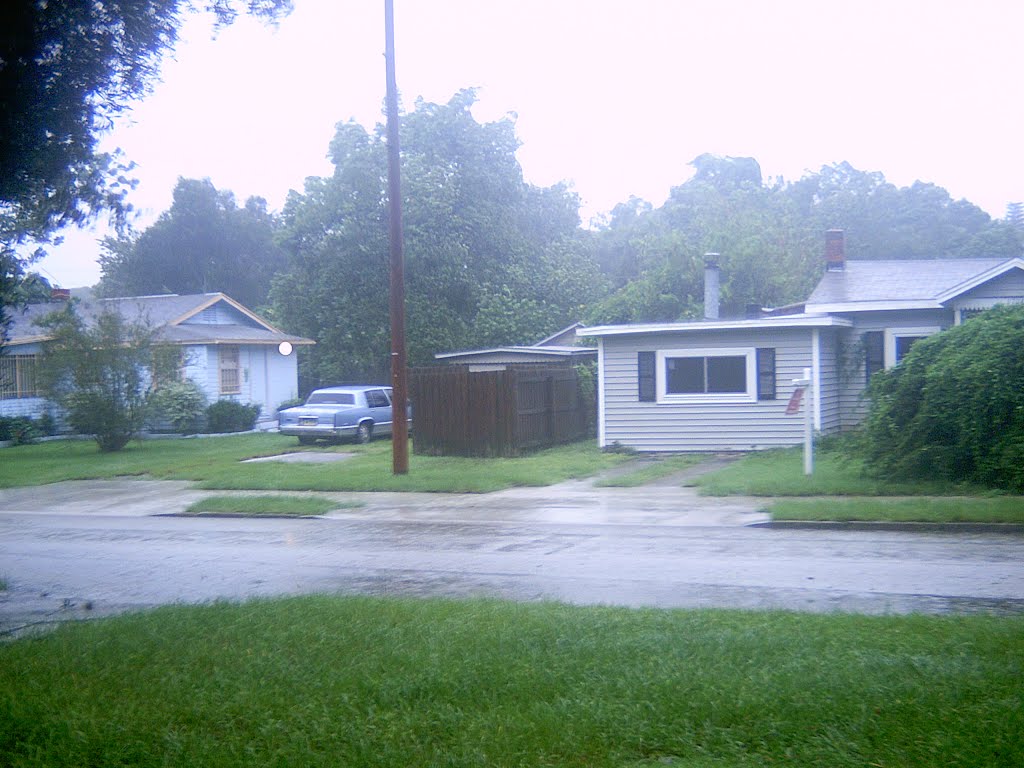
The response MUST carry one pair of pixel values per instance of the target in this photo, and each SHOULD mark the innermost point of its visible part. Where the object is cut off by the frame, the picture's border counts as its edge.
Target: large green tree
(490, 259)
(203, 243)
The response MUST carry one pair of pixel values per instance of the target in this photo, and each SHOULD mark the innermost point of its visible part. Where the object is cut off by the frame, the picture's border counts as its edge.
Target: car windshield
(331, 398)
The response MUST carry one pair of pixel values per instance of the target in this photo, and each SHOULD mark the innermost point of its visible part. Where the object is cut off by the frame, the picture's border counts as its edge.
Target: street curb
(1013, 529)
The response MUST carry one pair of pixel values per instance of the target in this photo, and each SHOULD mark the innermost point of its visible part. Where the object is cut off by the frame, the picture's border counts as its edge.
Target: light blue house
(724, 385)
(228, 350)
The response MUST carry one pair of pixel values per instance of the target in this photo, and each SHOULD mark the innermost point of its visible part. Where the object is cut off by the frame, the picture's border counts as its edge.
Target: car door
(379, 405)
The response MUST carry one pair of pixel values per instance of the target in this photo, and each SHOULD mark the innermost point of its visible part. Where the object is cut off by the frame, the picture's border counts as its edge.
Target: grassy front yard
(215, 464)
(371, 682)
(847, 494)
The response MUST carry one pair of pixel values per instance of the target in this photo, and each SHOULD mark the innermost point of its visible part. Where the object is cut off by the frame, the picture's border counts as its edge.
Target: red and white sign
(795, 400)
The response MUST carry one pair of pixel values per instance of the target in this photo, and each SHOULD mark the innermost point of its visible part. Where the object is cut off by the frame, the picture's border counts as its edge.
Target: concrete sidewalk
(574, 501)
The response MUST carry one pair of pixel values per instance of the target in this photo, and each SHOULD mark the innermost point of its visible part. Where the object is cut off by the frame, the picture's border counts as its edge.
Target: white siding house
(723, 385)
(227, 350)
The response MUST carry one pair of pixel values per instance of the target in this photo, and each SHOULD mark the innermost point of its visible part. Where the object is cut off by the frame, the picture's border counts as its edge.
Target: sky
(615, 98)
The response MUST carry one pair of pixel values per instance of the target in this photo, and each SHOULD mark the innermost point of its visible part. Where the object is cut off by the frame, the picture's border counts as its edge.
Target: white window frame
(750, 396)
(892, 334)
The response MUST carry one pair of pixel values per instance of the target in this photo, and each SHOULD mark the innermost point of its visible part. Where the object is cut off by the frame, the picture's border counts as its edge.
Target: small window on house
(874, 353)
(230, 378)
(898, 342)
(646, 377)
(711, 375)
(18, 377)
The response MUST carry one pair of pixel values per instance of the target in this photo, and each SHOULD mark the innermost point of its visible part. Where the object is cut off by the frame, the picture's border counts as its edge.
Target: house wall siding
(702, 426)
(266, 376)
(828, 380)
(221, 313)
(1008, 286)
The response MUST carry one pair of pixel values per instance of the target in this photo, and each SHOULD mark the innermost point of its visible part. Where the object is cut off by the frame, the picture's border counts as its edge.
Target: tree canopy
(67, 70)
(769, 236)
(490, 259)
(203, 243)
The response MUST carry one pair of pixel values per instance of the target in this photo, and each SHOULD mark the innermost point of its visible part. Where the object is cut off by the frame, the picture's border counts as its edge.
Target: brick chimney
(835, 250)
(711, 282)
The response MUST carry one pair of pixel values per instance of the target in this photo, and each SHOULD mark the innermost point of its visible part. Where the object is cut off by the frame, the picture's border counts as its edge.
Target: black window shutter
(874, 353)
(645, 364)
(765, 373)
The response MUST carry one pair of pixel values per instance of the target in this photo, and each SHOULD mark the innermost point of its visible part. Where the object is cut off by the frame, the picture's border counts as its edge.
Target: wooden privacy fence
(457, 412)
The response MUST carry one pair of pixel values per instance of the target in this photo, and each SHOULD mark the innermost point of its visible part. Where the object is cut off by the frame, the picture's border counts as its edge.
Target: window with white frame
(230, 370)
(707, 375)
(898, 342)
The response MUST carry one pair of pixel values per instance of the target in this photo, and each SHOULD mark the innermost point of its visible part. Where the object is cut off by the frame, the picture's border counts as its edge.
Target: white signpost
(803, 393)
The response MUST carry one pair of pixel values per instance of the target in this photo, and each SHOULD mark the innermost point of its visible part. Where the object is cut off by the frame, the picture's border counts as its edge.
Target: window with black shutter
(874, 353)
(765, 373)
(646, 363)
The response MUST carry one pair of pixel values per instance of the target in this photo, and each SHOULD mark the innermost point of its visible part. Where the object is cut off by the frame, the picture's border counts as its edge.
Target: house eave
(844, 307)
(543, 351)
(766, 323)
(981, 279)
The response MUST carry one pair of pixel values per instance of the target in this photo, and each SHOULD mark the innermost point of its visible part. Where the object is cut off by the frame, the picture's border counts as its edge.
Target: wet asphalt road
(646, 547)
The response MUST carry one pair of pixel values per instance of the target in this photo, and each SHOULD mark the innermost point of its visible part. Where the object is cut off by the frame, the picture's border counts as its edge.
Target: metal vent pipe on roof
(711, 286)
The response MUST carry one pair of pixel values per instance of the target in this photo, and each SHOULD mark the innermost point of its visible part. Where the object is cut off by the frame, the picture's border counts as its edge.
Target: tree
(769, 236)
(67, 70)
(204, 243)
(99, 373)
(953, 409)
(490, 259)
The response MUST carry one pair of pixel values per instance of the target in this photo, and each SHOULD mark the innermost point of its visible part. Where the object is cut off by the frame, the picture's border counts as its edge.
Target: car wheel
(306, 440)
(364, 432)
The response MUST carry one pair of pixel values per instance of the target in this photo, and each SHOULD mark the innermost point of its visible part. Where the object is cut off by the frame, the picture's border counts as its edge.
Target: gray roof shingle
(896, 281)
(161, 312)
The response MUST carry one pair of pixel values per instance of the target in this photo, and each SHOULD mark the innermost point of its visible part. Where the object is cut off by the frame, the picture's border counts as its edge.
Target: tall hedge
(953, 409)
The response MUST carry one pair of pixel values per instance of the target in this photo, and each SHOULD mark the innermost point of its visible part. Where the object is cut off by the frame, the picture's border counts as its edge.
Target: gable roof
(169, 313)
(903, 284)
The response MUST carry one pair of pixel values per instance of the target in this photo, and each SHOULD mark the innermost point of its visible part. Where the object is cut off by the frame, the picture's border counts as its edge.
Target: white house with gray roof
(724, 385)
(229, 351)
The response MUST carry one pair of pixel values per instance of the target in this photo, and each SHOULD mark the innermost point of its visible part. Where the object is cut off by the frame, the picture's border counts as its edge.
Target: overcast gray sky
(615, 97)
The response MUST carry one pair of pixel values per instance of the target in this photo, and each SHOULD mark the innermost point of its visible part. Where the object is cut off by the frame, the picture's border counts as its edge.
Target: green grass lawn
(999, 509)
(215, 464)
(781, 473)
(266, 506)
(374, 682)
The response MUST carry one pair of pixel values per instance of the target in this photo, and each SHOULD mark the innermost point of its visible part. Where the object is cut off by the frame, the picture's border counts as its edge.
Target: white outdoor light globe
(285, 348)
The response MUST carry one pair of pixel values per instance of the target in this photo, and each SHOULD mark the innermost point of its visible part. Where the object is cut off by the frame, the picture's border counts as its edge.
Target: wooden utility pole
(400, 390)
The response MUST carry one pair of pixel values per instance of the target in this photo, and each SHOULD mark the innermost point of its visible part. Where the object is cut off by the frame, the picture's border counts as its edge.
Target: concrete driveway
(86, 548)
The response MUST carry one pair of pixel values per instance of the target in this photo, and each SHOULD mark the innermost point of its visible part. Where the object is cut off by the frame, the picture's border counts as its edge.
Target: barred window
(18, 377)
(230, 380)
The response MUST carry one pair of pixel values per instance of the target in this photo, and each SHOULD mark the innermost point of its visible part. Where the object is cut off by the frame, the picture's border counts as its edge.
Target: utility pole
(399, 388)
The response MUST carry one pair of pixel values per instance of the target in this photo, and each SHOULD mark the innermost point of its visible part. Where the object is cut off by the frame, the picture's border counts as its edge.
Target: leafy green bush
(182, 404)
(18, 429)
(953, 409)
(229, 416)
(95, 371)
